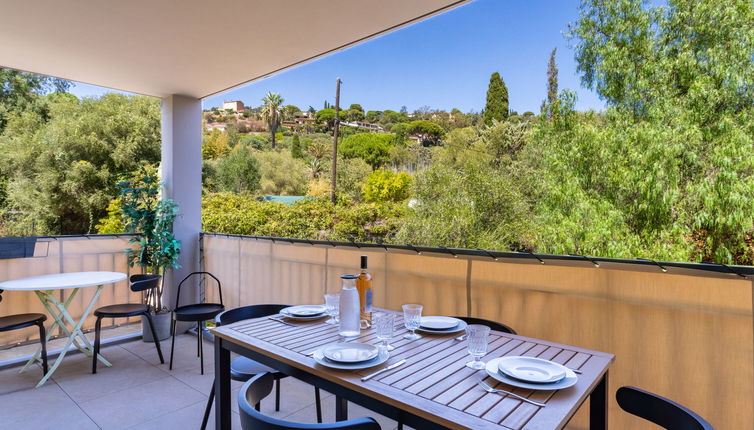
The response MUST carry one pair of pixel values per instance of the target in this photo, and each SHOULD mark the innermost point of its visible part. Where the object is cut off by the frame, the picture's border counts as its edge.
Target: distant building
(361, 124)
(235, 106)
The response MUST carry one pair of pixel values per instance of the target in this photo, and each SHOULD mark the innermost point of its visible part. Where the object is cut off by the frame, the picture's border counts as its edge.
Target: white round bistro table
(45, 286)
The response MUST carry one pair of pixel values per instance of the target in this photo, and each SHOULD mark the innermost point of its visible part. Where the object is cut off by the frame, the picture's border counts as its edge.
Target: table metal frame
(62, 319)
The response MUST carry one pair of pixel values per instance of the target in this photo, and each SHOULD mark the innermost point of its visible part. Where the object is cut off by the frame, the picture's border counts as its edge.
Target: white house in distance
(235, 105)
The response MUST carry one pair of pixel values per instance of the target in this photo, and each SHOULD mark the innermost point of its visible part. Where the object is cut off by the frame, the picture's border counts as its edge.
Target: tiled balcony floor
(140, 393)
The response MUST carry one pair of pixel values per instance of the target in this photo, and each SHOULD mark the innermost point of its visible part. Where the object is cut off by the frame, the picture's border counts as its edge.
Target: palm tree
(272, 113)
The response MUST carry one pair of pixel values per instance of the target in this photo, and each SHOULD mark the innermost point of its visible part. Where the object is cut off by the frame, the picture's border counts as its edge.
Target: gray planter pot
(161, 326)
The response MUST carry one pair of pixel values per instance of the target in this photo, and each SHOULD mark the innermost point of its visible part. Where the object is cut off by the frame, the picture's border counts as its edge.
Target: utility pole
(334, 169)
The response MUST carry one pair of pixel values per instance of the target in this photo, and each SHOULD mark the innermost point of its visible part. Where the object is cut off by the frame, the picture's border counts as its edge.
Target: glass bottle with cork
(364, 286)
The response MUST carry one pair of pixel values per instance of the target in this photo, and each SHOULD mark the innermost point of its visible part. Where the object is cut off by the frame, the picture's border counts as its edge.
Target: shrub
(384, 185)
(238, 171)
(281, 174)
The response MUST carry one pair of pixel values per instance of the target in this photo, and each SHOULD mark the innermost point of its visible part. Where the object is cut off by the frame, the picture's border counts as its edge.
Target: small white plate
(439, 323)
(532, 369)
(493, 370)
(284, 312)
(460, 327)
(322, 360)
(306, 310)
(346, 352)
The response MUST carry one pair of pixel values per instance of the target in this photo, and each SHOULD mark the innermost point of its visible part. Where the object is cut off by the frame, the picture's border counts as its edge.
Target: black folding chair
(259, 387)
(659, 410)
(242, 368)
(126, 310)
(198, 313)
(493, 325)
(19, 321)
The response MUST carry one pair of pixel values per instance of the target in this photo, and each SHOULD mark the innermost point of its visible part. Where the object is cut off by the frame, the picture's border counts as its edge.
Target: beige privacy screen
(685, 336)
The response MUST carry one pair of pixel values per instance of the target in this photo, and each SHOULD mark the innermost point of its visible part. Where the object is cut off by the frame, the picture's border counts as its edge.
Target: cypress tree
(497, 100)
(296, 147)
(552, 84)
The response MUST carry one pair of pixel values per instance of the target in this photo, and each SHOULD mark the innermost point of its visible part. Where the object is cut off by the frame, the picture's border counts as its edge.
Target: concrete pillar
(181, 171)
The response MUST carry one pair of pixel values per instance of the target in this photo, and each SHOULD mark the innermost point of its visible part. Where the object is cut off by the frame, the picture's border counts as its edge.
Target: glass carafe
(350, 320)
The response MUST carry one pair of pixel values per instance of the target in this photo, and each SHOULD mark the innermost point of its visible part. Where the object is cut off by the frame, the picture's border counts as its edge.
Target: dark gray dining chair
(258, 387)
(659, 410)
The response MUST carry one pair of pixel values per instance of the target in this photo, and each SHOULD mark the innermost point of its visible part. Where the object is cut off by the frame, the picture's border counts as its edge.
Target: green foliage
(371, 147)
(307, 219)
(428, 132)
(296, 147)
(22, 91)
(238, 172)
(215, 144)
(62, 168)
(152, 219)
(496, 108)
(281, 174)
(552, 86)
(113, 222)
(327, 117)
(387, 186)
(352, 173)
(472, 205)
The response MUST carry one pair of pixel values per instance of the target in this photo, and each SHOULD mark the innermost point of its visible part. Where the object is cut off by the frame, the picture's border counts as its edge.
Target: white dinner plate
(350, 352)
(284, 312)
(439, 323)
(460, 327)
(493, 370)
(532, 369)
(322, 360)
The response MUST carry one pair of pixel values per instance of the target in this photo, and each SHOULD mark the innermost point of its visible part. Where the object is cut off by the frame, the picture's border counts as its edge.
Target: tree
(290, 111)
(552, 86)
(296, 147)
(319, 150)
(371, 147)
(238, 172)
(373, 116)
(497, 100)
(272, 113)
(62, 168)
(22, 91)
(327, 117)
(428, 132)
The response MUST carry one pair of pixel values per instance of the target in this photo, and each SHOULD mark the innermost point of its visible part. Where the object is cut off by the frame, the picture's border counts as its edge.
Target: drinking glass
(412, 318)
(476, 335)
(332, 307)
(385, 324)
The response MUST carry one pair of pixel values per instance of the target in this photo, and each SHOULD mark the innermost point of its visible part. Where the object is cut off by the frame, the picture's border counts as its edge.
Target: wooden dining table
(432, 390)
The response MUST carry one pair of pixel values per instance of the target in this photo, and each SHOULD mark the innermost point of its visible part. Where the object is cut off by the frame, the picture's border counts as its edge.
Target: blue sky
(443, 62)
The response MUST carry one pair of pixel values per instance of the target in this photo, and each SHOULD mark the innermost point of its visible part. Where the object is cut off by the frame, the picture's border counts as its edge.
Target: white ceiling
(189, 47)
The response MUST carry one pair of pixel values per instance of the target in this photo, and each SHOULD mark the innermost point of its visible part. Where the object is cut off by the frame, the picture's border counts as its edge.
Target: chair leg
(208, 409)
(200, 333)
(318, 404)
(277, 395)
(97, 327)
(172, 347)
(43, 340)
(154, 336)
(400, 426)
(198, 340)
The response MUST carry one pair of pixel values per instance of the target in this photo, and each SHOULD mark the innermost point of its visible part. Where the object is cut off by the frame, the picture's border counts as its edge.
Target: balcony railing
(686, 333)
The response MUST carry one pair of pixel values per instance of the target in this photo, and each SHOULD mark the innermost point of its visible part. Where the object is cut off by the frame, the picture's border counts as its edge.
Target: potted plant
(151, 218)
